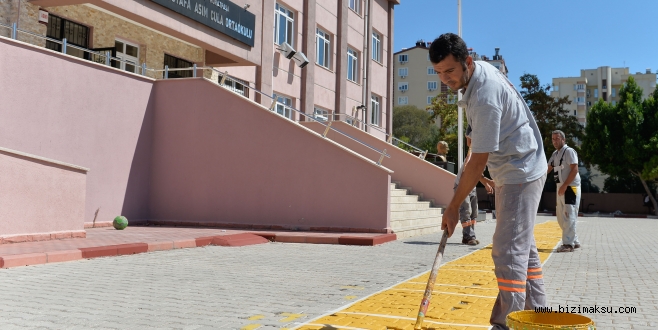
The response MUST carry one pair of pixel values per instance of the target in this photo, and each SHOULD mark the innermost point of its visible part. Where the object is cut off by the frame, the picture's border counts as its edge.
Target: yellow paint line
(456, 294)
(250, 327)
(256, 317)
(397, 306)
(350, 297)
(414, 319)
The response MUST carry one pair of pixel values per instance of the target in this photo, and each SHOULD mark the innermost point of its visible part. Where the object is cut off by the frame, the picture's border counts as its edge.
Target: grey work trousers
(467, 214)
(514, 253)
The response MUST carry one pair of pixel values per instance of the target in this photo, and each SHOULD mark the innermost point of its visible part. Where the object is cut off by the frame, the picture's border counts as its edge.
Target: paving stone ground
(280, 285)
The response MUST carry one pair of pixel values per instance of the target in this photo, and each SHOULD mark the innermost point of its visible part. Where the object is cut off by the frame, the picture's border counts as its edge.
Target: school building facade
(249, 113)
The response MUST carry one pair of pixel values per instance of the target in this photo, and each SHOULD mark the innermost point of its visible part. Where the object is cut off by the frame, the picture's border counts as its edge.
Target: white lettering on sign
(183, 3)
(219, 4)
(237, 27)
(216, 17)
(201, 10)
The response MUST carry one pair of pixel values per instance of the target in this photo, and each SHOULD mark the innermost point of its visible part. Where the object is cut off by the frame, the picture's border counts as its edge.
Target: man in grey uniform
(564, 164)
(505, 138)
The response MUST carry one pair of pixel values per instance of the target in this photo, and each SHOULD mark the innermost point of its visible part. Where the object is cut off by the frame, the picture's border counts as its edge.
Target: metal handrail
(225, 75)
(390, 137)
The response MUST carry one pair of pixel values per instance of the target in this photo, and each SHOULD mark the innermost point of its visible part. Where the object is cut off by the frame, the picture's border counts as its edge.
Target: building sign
(221, 15)
(43, 16)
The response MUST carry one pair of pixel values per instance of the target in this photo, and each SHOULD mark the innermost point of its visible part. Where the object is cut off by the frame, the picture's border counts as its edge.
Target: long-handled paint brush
(425, 303)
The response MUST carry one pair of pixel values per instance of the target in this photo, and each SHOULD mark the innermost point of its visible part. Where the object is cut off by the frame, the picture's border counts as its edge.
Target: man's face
(558, 141)
(452, 73)
(442, 149)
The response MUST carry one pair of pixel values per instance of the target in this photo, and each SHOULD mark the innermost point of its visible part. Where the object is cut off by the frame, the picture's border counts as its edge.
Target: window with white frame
(376, 46)
(352, 65)
(128, 53)
(321, 114)
(355, 5)
(403, 72)
(452, 99)
(580, 99)
(429, 99)
(556, 88)
(430, 70)
(431, 85)
(596, 92)
(323, 44)
(403, 86)
(579, 87)
(402, 100)
(612, 92)
(375, 112)
(284, 22)
(283, 105)
(403, 58)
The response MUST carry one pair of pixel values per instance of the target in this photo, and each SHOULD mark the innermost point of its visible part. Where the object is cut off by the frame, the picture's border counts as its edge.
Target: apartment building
(416, 83)
(602, 83)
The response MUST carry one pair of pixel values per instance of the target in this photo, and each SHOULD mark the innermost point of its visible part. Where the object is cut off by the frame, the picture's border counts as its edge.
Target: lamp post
(460, 116)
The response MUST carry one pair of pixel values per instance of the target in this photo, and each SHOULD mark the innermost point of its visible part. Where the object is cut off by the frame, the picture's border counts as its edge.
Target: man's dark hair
(446, 44)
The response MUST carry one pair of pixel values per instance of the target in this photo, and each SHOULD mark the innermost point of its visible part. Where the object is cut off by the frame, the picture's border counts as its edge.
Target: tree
(626, 184)
(622, 139)
(550, 113)
(444, 113)
(411, 125)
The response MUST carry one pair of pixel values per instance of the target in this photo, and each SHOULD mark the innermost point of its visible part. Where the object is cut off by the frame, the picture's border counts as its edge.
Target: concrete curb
(232, 240)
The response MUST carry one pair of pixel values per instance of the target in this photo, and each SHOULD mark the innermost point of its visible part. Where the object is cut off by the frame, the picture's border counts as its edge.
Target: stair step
(413, 223)
(412, 214)
(410, 206)
(398, 192)
(404, 199)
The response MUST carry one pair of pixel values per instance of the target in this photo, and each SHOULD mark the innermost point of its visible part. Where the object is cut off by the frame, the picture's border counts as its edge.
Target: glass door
(129, 55)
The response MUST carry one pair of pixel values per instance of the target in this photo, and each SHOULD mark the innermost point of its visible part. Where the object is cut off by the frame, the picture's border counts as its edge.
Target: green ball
(120, 223)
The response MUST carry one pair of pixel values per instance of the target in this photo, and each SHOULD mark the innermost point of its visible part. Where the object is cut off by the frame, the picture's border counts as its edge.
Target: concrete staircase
(412, 217)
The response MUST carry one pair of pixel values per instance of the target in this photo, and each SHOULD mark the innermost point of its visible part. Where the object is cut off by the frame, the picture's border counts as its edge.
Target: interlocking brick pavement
(279, 285)
(616, 266)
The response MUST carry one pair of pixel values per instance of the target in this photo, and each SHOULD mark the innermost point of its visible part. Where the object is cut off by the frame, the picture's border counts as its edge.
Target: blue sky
(552, 38)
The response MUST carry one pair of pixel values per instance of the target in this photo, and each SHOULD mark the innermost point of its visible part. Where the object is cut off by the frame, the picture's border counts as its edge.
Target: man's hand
(450, 220)
(488, 184)
(562, 190)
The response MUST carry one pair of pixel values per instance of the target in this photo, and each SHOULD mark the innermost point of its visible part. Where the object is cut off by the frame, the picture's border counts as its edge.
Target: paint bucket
(529, 320)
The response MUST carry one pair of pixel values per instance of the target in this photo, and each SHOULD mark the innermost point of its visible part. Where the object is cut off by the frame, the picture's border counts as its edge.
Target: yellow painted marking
(250, 327)
(461, 302)
(290, 317)
(350, 297)
(256, 317)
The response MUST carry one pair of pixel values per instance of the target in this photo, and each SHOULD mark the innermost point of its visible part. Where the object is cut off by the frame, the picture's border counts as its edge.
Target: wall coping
(279, 117)
(47, 51)
(43, 159)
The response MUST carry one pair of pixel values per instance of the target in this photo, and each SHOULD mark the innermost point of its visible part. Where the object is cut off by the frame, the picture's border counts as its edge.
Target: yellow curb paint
(250, 327)
(290, 317)
(256, 317)
(460, 303)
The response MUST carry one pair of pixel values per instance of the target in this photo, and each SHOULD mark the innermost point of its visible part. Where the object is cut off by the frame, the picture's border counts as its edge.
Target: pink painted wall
(39, 196)
(221, 158)
(432, 182)
(82, 113)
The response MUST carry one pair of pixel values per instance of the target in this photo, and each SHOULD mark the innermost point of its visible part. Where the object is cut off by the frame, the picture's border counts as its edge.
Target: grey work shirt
(503, 126)
(560, 160)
